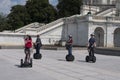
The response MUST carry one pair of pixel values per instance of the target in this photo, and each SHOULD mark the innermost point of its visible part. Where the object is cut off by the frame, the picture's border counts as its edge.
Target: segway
(37, 56)
(26, 64)
(70, 57)
(91, 57)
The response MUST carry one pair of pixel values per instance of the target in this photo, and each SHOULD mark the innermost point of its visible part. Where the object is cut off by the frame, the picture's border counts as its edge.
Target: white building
(103, 21)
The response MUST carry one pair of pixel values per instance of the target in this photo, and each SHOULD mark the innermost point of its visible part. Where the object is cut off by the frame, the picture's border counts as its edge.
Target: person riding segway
(37, 45)
(69, 43)
(28, 45)
(91, 46)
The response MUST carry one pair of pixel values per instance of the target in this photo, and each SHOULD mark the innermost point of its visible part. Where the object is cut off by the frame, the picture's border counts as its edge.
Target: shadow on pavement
(81, 61)
(18, 66)
(61, 59)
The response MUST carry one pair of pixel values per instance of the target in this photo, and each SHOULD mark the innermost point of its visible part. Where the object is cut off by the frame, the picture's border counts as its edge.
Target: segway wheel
(87, 58)
(70, 58)
(21, 63)
(94, 59)
(37, 56)
(31, 63)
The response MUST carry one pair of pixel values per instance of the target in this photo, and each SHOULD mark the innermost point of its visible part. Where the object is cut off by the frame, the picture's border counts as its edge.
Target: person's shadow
(61, 59)
(18, 66)
(81, 61)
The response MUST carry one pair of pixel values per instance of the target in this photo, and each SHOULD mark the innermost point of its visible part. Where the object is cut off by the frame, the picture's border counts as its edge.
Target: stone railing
(98, 13)
(98, 18)
(49, 25)
(74, 18)
(106, 11)
(27, 26)
(108, 19)
(116, 18)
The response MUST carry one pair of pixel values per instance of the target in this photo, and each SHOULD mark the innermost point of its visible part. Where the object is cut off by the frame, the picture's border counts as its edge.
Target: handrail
(49, 24)
(111, 19)
(43, 26)
(105, 11)
(29, 25)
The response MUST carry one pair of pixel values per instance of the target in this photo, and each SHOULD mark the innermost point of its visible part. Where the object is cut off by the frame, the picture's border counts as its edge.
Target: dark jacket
(38, 42)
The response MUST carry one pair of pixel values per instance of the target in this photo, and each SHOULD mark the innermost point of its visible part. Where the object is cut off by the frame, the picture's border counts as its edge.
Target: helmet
(92, 35)
(70, 36)
(37, 35)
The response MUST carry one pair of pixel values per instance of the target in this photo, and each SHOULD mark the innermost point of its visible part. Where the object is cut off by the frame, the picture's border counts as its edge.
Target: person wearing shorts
(28, 46)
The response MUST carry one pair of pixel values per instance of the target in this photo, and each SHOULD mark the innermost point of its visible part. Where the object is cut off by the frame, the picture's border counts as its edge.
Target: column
(110, 37)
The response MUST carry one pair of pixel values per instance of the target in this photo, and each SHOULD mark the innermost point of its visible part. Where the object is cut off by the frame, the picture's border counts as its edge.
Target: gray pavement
(53, 66)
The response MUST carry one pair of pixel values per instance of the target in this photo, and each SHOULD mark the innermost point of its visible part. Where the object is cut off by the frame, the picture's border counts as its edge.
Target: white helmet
(70, 35)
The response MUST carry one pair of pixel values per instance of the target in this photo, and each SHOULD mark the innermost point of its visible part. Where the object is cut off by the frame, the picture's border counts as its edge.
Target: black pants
(37, 50)
(91, 51)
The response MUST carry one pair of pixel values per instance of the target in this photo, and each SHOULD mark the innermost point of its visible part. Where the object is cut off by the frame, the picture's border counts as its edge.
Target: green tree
(41, 11)
(68, 7)
(18, 17)
(3, 22)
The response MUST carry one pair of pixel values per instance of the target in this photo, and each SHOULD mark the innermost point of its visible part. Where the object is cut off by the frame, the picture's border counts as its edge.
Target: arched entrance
(117, 37)
(99, 36)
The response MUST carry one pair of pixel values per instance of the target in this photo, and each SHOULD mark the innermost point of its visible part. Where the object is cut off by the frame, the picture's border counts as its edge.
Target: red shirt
(70, 41)
(28, 43)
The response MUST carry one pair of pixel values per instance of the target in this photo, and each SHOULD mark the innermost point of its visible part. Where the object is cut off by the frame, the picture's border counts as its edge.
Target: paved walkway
(53, 66)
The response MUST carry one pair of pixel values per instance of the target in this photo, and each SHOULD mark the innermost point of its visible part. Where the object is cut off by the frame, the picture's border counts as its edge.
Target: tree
(68, 7)
(3, 22)
(41, 11)
(18, 17)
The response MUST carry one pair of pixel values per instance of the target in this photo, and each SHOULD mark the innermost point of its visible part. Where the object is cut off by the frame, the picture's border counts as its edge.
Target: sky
(5, 5)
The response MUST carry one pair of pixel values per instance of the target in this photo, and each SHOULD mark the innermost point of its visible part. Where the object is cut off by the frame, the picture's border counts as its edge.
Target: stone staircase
(51, 25)
(32, 27)
(106, 12)
(40, 28)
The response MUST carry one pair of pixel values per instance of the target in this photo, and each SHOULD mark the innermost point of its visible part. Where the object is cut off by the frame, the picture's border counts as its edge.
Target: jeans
(37, 50)
(70, 50)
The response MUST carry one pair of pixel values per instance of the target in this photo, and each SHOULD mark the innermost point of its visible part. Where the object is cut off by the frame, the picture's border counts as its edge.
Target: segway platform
(91, 59)
(70, 58)
(37, 56)
(26, 64)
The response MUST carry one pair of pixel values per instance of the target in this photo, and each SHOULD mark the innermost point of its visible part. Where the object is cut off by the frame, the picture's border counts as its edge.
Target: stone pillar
(109, 33)
(110, 37)
(117, 7)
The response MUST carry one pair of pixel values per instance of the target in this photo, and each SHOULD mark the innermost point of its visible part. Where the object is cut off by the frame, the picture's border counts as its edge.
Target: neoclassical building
(101, 17)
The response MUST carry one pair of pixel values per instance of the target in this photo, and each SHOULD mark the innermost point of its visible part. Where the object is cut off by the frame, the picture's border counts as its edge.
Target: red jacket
(28, 43)
(70, 41)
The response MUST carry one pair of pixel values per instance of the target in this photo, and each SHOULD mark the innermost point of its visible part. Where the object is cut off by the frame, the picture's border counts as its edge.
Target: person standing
(69, 45)
(91, 45)
(28, 46)
(38, 44)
